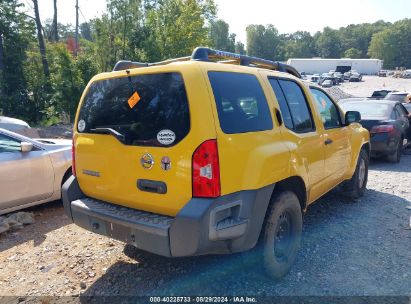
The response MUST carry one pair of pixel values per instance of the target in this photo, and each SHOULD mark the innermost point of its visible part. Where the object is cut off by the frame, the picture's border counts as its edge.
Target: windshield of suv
(158, 107)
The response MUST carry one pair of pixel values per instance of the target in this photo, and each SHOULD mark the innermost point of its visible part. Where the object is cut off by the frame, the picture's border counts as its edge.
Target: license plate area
(120, 232)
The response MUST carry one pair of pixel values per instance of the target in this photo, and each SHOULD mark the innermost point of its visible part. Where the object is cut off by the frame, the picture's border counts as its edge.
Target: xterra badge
(147, 161)
(165, 163)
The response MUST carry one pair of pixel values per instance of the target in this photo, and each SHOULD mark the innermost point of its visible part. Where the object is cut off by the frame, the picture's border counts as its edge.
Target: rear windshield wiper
(110, 131)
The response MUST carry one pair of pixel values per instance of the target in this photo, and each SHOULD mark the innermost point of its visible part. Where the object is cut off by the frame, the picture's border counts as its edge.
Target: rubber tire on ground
(396, 156)
(352, 188)
(282, 204)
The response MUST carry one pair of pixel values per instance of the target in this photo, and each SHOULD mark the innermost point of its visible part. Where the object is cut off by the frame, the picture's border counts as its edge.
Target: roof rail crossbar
(207, 54)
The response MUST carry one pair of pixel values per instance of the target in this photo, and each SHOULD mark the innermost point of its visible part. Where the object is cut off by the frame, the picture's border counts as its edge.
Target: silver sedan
(31, 170)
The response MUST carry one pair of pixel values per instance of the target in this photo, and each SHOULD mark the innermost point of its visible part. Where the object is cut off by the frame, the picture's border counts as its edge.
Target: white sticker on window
(166, 137)
(81, 126)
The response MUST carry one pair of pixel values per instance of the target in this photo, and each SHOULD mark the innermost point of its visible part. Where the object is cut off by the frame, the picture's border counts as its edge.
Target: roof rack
(207, 54)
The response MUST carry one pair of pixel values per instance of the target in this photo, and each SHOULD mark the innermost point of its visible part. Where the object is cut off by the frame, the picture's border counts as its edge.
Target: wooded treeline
(43, 73)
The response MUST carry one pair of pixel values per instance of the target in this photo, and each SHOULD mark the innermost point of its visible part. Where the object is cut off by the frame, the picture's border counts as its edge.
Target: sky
(286, 15)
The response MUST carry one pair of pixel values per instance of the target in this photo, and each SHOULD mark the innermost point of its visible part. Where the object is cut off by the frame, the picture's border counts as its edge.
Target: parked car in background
(397, 96)
(380, 94)
(31, 171)
(315, 78)
(339, 77)
(355, 77)
(382, 73)
(13, 124)
(18, 126)
(406, 74)
(347, 75)
(388, 123)
(327, 83)
(327, 76)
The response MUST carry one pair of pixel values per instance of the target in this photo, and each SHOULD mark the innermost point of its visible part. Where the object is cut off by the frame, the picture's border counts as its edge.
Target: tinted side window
(402, 112)
(394, 115)
(241, 103)
(328, 110)
(8, 144)
(285, 111)
(298, 106)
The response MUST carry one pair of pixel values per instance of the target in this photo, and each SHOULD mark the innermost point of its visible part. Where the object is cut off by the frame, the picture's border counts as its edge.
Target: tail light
(206, 170)
(73, 158)
(382, 129)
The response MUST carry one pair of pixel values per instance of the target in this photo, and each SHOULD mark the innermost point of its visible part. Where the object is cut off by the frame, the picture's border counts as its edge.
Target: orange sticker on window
(133, 100)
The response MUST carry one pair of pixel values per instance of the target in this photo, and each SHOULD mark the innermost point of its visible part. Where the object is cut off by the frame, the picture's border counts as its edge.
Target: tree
(352, 53)
(299, 45)
(85, 30)
(358, 36)
(329, 43)
(42, 46)
(67, 81)
(220, 37)
(263, 41)
(178, 26)
(15, 32)
(393, 45)
(55, 33)
(240, 48)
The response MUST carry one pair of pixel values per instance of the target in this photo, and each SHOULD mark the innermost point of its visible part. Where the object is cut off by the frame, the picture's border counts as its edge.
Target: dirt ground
(371, 83)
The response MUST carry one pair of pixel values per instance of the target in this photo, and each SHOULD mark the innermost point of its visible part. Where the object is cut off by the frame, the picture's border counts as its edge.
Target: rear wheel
(396, 156)
(281, 235)
(355, 187)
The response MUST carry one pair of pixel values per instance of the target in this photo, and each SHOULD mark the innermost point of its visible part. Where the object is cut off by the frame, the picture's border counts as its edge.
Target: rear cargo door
(133, 143)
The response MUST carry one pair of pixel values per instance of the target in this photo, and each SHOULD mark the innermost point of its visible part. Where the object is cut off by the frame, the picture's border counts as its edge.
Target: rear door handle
(328, 142)
(152, 186)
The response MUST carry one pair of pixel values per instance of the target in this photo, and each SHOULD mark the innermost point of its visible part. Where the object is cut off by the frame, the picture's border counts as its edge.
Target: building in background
(320, 65)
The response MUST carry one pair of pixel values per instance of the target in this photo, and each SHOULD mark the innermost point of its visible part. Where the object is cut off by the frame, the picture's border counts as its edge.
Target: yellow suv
(209, 154)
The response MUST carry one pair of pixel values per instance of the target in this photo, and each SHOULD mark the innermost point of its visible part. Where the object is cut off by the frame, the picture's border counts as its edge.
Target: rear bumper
(231, 223)
(383, 144)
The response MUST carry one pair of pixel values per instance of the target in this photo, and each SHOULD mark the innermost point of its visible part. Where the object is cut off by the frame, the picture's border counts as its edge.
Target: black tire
(281, 235)
(396, 156)
(356, 186)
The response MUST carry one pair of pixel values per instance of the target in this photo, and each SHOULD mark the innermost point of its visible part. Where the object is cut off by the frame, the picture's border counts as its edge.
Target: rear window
(396, 97)
(241, 103)
(148, 110)
(369, 109)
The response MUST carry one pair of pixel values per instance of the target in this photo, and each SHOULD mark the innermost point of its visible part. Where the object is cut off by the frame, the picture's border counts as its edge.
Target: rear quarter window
(241, 103)
(162, 105)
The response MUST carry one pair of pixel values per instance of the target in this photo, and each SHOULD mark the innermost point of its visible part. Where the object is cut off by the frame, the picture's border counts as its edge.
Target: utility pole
(76, 37)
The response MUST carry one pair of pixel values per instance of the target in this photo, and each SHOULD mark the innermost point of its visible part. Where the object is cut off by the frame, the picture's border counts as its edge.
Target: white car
(32, 171)
(327, 84)
(17, 125)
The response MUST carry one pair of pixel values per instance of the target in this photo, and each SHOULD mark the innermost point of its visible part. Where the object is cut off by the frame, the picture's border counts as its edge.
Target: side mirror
(26, 147)
(351, 117)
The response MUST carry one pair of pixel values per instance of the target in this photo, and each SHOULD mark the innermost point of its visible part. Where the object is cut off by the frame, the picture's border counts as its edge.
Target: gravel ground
(371, 83)
(349, 248)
